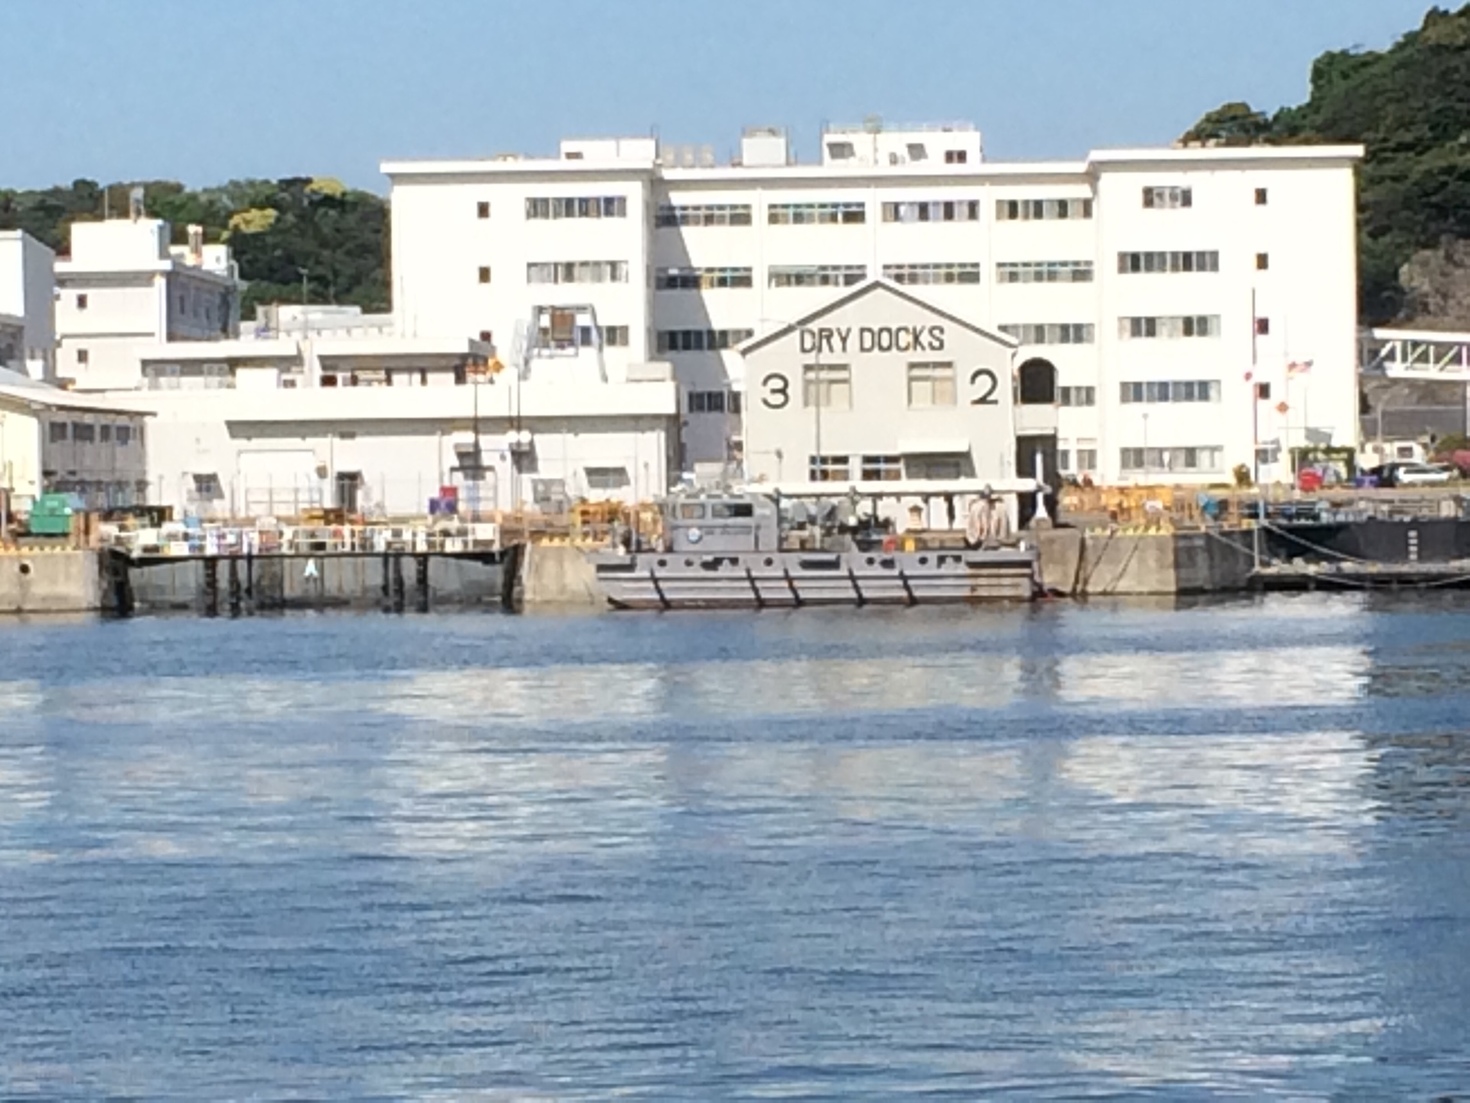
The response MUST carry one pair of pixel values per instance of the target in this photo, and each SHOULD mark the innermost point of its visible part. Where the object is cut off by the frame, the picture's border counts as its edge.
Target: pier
(240, 571)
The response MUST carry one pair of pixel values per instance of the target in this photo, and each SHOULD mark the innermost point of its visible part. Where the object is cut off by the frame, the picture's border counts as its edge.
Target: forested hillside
(278, 229)
(1410, 106)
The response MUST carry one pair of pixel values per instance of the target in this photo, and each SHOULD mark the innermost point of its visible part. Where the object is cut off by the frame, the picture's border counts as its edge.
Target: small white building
(125, 285)
(379, 425)
(57, 441)
(27, 306)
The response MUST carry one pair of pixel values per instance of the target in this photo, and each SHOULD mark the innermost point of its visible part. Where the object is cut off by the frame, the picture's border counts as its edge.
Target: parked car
(1423, 474)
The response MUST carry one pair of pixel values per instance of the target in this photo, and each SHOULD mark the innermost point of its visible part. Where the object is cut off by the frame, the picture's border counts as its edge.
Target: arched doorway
(1036, 385)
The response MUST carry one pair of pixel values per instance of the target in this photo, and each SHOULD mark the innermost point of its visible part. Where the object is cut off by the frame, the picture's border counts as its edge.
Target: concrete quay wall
(1079, 563)
(50, 581)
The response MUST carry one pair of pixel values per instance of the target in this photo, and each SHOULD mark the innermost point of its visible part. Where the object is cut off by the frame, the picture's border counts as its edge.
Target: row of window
(926, 274)
(1086, 460)
(702, 214)
(1131, 263)
(1044, 271)
(1076, 396)
(714, 402)
(594, 206)
(884, 468)
(935, 210)
(1176, 390)
(815, 275)
(1192, 458)
(582, 336)
(1052, 333)
(929, 385)
(700, 340)
(701, 279)
(85, 432)
(577, 271)
(1170, 326)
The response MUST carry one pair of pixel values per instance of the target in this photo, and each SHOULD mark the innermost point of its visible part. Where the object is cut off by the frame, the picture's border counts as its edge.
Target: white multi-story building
(124, 286)
(1198, 304)
(27, 306)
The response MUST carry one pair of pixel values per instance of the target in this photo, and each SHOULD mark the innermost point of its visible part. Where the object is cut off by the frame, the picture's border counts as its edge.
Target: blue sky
(204, 92)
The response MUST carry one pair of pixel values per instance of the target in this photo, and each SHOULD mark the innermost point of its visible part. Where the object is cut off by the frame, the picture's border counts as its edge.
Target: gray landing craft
(752, 549)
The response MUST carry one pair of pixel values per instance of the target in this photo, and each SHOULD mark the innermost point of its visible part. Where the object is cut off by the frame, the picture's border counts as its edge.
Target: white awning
(934, 446)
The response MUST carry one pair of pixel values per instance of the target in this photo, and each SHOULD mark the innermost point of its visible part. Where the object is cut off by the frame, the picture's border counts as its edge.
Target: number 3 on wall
(778, 391)
(986, 397)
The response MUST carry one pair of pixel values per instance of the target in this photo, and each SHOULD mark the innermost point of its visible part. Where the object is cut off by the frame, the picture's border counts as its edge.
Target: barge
(751, 549)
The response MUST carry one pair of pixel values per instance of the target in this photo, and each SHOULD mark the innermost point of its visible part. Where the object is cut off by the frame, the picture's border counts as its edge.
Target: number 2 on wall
(778, 391)
(987, 398)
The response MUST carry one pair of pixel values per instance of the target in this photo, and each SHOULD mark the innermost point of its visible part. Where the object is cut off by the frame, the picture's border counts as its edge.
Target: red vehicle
(1309, 479)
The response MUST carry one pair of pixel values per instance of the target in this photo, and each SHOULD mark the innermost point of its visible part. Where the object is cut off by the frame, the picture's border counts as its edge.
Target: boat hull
(795, 579)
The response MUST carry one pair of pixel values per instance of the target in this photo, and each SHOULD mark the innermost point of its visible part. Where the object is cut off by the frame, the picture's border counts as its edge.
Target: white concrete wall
(26, 292)
(20, 455)
(782, 430)
(102, 470)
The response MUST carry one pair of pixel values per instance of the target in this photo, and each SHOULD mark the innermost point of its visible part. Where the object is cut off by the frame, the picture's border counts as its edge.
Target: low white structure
(1172, 289)
(125, 285)
(27, 306)
(380, 425)
(57, 441)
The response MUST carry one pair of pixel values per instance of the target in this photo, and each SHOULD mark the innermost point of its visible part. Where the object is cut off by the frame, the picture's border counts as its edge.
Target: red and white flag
(1298, 367)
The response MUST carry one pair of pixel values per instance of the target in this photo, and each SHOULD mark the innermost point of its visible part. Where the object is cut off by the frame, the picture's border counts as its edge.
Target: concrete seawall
(553, 574)
(1083, 564)
(50, 582)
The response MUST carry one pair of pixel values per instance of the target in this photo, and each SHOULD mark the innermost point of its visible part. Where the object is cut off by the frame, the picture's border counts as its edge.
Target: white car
(1423, 474)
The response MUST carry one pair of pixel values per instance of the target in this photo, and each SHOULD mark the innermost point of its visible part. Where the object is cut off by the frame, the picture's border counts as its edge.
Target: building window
(1064, 460)
(944, 468)
(83, 432)
(706, 402)
(83, 356)
(930, 385)
(700, 340)
(482, 209)
(913, 274)
(596, 206)
(81, 302)
(1044, 271)
(1263, 327)
(1170, 327)
(56, 432)
(1263, 392)
(826, 385)
(734, 402)
(701, 279)
(1177, 390)
(578, 271)
(615, 337)
(828, 469)
(815, 275)
(104, 434)
(702, 214)
(816, 214)
(1086, 460)
(1051, 333)
(881, 469)
(1168, 198)
(1035, 210)
(956, 156)
(1076, 396)
(123, 435)
(933, 210)
(1263, 261)
(1261, 197)
(487, 336)
(606, 478)
(1166, 460)
(484, 274)
(1202, 261)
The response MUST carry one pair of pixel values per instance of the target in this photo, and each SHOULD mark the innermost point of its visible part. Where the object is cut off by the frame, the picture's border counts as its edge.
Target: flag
(1298, 367)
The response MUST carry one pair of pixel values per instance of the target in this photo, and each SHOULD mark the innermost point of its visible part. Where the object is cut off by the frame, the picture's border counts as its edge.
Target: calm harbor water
(1127, 851)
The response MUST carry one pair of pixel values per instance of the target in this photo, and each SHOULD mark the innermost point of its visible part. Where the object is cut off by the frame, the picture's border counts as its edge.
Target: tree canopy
(1409, 106)
(279, 230)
